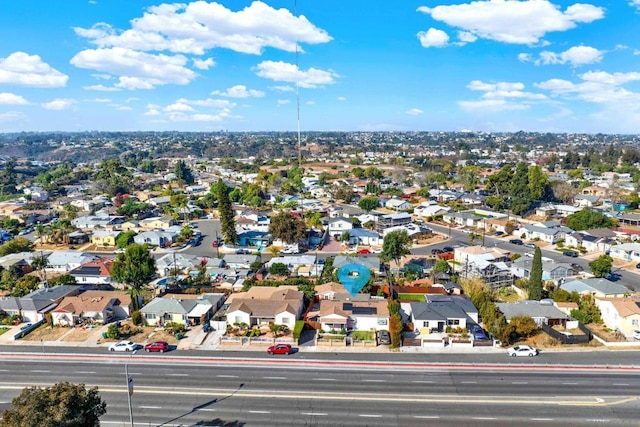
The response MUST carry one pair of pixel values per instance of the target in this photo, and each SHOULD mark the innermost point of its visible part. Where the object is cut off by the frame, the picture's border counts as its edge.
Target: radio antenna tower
(295, 12)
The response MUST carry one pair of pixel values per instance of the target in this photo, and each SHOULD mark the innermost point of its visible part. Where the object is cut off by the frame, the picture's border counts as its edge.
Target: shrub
(113, 331)
(174, 327)
(136, 317)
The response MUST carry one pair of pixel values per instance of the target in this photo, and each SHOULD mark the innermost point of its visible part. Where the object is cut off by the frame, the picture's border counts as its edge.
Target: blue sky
(495, 65)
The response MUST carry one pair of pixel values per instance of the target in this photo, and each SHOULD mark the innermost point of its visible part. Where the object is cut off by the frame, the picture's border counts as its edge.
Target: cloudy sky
(495, 65)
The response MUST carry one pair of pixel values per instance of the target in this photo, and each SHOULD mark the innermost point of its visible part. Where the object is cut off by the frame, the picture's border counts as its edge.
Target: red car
(280, 349)
(159, 346)
(364, 251)
(215, 243)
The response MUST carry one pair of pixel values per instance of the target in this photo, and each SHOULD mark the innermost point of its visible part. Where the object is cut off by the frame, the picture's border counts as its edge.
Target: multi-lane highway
(319, 390)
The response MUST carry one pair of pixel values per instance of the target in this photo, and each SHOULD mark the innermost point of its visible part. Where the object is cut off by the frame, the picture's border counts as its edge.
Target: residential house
(586, 201)
(372, 263)
(158, 238)
(97, 221)
(157, 223)
(490, 263)
(337, 226)
(33, 306)
(65, 261)
(183, 262)
(430, 209)
(596, 240)
(256, 221)
(362, 236)
(598, 287)
(551, 210)
(254, 238)
(440, 311)
(92, 306)
(620, 314)
(550, 269)
(626, 251)
(549, 231)
(542, 312)
(370, 314)
(104, 237)
(397, 204)
(305, 264)
(96, 272)
(239, 261)
(392, 220)
(178, 308)
(282, 305)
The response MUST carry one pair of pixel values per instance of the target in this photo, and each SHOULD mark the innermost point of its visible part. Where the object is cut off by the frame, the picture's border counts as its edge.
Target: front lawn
(412, 297)
(362, 335)
(3, 329)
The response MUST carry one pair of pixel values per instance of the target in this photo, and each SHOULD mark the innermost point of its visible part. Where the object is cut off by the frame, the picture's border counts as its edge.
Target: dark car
(384, 338)
(478, 333)
(499, 233)
(572, 254)
(516, 241)
(280, 349)
(578, 267)
(436, 251)
(159, 346)
(447, 249)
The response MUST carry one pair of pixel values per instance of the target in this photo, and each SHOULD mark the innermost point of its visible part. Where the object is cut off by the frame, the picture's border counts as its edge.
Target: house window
(238, 319)
(634, 323)
(453, 321)
(285, 320)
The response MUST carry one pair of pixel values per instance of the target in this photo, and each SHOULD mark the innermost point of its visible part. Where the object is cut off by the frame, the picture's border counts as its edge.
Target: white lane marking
(150, 407)
(370, 416)
(373, 381)
(469, 382)
(39, 371)
(177, 375)
(422, 382)
(620, 384)
(569, 383)
(324, 379)
(259, 412)
(274, 378)
(314, 414)
(541, 419)
(85, 372)
(227, 376)
(427, 417)
(519, 382)
(484, 418)
(206, 410)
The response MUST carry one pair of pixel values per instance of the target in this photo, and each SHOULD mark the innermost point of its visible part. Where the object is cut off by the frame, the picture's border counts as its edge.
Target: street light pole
(129, 382)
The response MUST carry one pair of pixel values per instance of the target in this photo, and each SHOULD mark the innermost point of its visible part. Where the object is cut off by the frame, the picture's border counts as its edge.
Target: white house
(626, 251)
(337, 226)
(397, 204)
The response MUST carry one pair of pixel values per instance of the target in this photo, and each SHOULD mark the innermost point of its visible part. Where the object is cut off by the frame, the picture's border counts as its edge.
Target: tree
(524, 326)
(288, 228)
(25, 285)
(368, 203)
(62, 405)
(440, 267)
(125, 239)
(113, 178)
(227, 217)
(184, 176)
(395, 245)
(39, 263)
(278, 269)
(601, 266)
(587, 219)
(135, 268)
(535, 279)
(15, 246)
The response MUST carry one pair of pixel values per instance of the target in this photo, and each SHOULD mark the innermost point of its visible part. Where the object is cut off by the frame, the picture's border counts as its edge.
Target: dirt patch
(80, 334)
(46, 333)
(146, 335)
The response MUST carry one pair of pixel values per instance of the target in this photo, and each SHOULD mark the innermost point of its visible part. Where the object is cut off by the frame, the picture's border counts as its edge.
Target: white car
(522, 350)
(124, 346)
(636, 335)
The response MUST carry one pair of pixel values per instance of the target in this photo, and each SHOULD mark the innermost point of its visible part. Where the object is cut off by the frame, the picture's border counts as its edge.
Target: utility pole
(129, 382)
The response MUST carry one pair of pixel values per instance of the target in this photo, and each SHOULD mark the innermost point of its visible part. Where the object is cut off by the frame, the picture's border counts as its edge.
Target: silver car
(522, 350)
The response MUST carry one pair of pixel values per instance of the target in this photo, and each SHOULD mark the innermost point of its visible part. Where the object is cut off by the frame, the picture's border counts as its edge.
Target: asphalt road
(277, 392)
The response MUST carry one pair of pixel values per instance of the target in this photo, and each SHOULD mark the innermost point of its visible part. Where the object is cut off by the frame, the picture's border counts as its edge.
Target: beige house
(157, 223)
(260, 305)
(92, 306)
(622, 314)
(104, 237)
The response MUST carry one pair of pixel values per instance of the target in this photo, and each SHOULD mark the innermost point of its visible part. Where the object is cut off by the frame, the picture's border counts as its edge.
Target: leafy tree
(373, 173)
(25, 285)
(395, 245)
(560, 295)
(64, 279)
(288, 228)
(601, 266)
(395, 323)
(62, 405)
(227, 217)
(368, 203)
(524, 326)
(440, 267)
(17, 245)
(130, 208)
(344, 192)
(278, 269)
(587, 219)
(39, 263)
(535, 279)
(125, 239)
(135, 268)
(184, 176)
(588, 311)
(113, 178)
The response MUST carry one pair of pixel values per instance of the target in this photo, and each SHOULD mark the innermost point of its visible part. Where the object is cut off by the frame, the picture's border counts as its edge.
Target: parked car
(364, 251)
(384, 338)
(530, 245)
(280, 349)
(636, 335)
(572, 254)
(124, 346)
(499, 233)
(577, 267)
(447, 249)
(478, 333)
(522, 350)
(159, 346)
(436, 251)
(516, 242)
(376, 251)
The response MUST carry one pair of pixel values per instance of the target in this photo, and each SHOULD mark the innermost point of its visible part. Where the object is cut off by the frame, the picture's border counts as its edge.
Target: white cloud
(576, 56)
(283, 102)
(285, 72)
(239, 91)
(466, 37)
(598, 87)
(101, 100)
(137, 70)
(342, 98)
(12, 116)
(414, 112)
(508, 21)
(102, 88)
(194, 28)
(634, 3)
(310, 103)
(123, 108)
(58, 104)
(23, 69)
(433, 38)
(12, 99)
(282, 88)
(102, 76)
(203, 64)
(209, 102)
(178, 106)
(500, 96)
